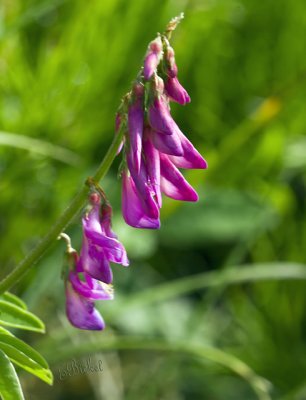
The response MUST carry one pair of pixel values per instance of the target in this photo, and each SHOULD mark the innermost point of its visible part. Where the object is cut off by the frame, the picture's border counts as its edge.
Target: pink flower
(152, 58)
(135, 125)
(176, 92)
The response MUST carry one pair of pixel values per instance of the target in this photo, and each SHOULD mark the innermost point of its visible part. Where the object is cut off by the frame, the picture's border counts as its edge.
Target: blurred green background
(213, 305)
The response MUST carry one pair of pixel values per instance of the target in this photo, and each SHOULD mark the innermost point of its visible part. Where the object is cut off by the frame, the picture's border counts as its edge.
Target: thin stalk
(71, 211)
(68, 351)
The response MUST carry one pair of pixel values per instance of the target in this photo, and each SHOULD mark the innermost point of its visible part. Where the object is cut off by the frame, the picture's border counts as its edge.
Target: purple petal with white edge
(135, 123)
(81, 312)
(90, 288)
(94, 261)
(176, 92)
(132, 208)
(160, 118)
(153, 165)
(173, 184)
(145, 189)
(168, 144)
(191, 159)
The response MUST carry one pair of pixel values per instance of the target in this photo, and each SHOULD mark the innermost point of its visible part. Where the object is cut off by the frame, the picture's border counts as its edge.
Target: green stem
(74, 208)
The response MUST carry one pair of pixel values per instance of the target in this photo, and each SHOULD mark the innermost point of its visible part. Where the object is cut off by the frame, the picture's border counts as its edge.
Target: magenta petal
(135, 123)
(176, 91)
(173, 184)
(132, 208)
(94, 262)
(81, 312)
(145, 189)
(90, 288)
(153, 165)
(168, 144)
(150, 64)
(160, 118)
(191, 159)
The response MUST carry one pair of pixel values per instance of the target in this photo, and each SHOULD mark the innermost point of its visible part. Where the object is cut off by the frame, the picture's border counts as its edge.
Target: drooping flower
(81, 293)
(135, 124)
(100, 245)
(176, 92)
(152, 58)
(169, 59)
(133, 210)
(155, 146)
(81, 312)
(88, 277)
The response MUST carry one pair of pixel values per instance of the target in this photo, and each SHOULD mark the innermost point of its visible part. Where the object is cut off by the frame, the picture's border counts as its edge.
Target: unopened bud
(152, 59)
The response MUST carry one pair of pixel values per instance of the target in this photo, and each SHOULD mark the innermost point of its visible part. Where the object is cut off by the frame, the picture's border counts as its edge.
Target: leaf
(12, 298)
(40, 147)
(25, 357)
(11, 315)
(10, 388)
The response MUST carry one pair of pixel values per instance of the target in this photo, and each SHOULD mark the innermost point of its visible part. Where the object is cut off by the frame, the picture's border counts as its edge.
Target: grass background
(213, 305)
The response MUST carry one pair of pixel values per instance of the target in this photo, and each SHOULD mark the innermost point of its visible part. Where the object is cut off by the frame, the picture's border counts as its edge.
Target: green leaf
(10, 388)
(11, 315)
(11, 298)
(25, 357)
(40, 147)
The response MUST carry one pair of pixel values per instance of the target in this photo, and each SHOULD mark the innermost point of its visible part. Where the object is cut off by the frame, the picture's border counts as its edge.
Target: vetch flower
(81, 292)
(176, 92)
(135, 124)
(152, 58)
(100, 245)
(172, 182)
(81, 312)
(169, 58)
(133, 211)
(155, 147)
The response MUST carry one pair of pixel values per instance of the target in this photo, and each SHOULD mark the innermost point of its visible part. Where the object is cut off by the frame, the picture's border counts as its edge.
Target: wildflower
(152, 58)
(100, 245)
(135, 124)
(170, 61)
(81, 312)
(133, 211)
(81, 292)
(176, 92)
(155, 146)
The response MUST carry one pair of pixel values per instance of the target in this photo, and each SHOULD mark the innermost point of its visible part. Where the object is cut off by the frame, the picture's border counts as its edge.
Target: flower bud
(152, 58)
(176, 92)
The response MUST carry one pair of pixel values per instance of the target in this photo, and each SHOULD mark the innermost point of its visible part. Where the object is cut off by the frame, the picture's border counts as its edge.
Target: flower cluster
(154, 146)
(89, 276)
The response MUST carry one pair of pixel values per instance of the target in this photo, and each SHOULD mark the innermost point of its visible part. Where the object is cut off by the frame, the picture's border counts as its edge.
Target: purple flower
(191, 158)
(176, 92)
(135, 125)
(152, 58)
(81, 311)
(160, 118)
(173, 184)
(90, 288)
(168, 144)
(133, 210)
(100, 245)
(152, 162)
(145, 189)
(170, 62)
